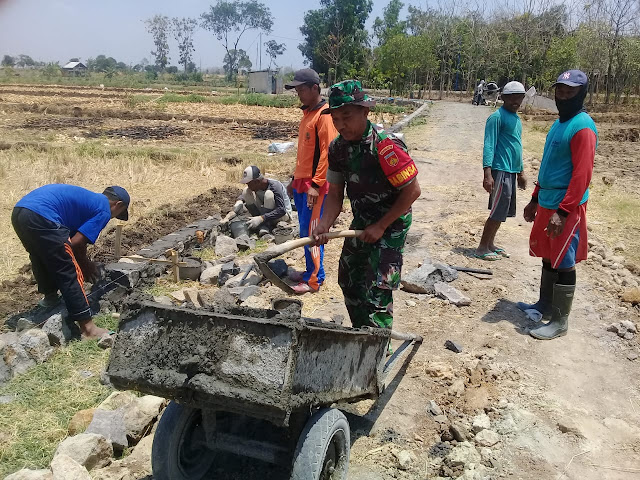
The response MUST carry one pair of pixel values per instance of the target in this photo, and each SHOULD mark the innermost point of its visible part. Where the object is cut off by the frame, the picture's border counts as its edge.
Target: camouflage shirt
(368, 187)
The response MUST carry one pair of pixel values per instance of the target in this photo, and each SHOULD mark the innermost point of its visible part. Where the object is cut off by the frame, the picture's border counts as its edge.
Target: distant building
(74, 69)
(265, 81)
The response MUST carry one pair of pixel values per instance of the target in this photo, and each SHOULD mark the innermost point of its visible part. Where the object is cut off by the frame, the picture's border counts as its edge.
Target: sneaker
(302, 288)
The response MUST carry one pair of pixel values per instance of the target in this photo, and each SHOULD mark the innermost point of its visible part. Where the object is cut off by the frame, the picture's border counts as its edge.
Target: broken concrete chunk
(191, 295)
(242, 293)
(453, 346)
(423, 279)
(451, 294)
(88, 449)
(26, 474)
(64, 467)
(463, 454)
(487, 438)
(111, 425)
(126, 274)
(210, 275)
(253, 278)
(225, 246)
(178, 295)
(481, 422)
(60, 331)
(36, 343)
(244, 242)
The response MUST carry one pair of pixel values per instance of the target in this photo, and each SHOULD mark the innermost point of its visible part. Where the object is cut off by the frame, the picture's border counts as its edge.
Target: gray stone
(481, 422)
(253, 278)
(267, 237)
(405, 459)
(628, 336)
(26, 474)
(451, 294)
(15, 359)
(462, 454)
(453, 346)
(433, 408)
(228, 270)
(225, 246)
(629, 326)
(210, 275)
(111, 425)
(64, 467)
(423, 279)
(60, 330)
(151, 405)
(242, 293)
(24, 324)
(106, 341)
(457, 387)
(137, 421)
(244, 242)
(441, 419)
(88, 449)
(459, 431)
(163, 300)
(191, 295)
(36, 343)
(632, 356)
(487, 438)
(126, 274)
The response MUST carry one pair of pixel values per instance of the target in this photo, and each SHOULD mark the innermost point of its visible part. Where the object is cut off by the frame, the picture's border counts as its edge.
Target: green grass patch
(204, 254)
(259, 99)
(177, 98)
(47, 396)
(395, 109)
(261, 246)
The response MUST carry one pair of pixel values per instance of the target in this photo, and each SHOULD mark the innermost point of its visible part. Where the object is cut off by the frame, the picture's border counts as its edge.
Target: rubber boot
(559, 324)
(547, 281)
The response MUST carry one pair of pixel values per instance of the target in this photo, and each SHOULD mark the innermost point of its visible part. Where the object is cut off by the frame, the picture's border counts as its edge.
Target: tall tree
(183, 30)
(274, 50)
(8, 61)
(159, 27)
(335, 39)
(229, 20)
(390, 24)
(25, 61)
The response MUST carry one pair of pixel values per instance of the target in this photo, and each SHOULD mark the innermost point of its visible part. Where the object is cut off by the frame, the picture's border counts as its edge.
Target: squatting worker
(558, 207)
(380, 178)
(55, 223)
(502, 165)
(265, 199)
(309, 184)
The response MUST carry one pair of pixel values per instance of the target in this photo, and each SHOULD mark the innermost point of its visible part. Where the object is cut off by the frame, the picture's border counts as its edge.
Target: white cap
(513, 87)
(251, 173)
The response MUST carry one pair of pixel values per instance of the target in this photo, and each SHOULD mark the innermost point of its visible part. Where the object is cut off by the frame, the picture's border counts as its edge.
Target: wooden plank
(118, 252)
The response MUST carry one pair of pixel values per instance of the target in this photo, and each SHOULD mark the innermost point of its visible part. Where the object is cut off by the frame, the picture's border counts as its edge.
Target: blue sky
(56, 30)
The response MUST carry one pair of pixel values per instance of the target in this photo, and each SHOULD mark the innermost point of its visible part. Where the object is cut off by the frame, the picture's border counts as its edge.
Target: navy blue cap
(573, 78)
(119, 194)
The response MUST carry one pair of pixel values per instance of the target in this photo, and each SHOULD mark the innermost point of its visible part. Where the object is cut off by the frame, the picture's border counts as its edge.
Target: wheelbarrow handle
(406, 337)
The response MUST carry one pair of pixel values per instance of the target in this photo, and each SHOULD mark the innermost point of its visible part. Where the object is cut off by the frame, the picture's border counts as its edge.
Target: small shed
(74, 69)
(265, 81)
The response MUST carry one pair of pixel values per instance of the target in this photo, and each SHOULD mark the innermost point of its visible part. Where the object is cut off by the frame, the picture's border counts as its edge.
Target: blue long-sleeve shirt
(503, 142)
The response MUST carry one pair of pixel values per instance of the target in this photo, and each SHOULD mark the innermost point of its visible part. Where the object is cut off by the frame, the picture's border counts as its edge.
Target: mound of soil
(166, 219)
(55, 123)
(139, 132)
(623, 135)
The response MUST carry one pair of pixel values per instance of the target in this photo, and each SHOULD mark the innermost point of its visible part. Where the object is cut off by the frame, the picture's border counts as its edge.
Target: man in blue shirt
(502, 163)
(55, 223)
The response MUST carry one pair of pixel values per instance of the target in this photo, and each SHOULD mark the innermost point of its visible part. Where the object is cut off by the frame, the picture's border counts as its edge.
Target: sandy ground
(583, 379)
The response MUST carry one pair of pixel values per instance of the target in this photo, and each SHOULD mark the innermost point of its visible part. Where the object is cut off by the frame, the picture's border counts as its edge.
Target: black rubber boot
(547, 281)
(559, 324)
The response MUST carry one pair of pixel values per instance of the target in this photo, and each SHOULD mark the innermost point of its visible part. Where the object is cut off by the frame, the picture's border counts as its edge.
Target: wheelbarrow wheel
(322, 452)
(179, 447)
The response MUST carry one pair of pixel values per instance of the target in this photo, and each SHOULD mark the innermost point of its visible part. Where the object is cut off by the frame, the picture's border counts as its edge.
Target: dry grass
(47, 396)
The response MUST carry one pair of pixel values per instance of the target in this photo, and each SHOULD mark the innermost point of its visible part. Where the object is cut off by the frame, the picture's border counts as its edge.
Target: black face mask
(571, 107)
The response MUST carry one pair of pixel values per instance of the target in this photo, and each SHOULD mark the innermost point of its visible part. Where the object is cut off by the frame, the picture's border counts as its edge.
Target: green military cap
(348, 92)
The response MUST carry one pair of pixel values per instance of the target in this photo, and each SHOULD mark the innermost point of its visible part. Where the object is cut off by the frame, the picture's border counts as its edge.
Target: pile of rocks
(433, 278)
(625, 329)
(99, 435)
(620, 275)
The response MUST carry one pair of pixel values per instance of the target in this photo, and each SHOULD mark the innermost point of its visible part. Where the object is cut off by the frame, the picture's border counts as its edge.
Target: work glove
(237, 207)
(254, 222)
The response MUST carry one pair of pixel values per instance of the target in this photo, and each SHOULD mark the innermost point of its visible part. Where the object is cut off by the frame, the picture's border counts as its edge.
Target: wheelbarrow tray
(263, 367)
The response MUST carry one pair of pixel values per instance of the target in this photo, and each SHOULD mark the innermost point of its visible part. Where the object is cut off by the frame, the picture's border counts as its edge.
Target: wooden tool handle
(277, 250)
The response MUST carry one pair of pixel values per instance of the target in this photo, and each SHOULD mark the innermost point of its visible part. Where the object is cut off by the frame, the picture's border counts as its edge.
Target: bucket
(192, 271)
(282, 234)
(238, 227)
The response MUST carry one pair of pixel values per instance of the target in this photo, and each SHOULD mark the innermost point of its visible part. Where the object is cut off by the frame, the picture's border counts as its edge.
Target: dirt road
(582, 383)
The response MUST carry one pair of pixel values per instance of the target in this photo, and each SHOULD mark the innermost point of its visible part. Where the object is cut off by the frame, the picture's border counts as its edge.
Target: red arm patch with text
(396, 164)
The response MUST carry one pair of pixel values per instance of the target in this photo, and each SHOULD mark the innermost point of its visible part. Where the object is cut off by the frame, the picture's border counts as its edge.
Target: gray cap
(306, 75)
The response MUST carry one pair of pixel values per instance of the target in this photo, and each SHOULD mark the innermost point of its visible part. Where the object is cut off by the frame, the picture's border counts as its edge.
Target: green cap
(348, 92)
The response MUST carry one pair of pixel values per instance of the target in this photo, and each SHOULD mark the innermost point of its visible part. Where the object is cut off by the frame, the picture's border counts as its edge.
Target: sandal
(303, 288)
(502, 252)
(489, 256)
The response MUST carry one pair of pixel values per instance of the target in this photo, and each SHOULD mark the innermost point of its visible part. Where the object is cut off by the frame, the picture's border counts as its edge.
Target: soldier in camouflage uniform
(380, 179)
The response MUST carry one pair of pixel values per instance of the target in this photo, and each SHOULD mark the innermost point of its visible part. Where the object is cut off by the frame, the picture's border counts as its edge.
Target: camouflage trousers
(369, 272)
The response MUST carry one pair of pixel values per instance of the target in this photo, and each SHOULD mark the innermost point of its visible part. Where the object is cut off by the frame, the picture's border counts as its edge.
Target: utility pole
(260, 50)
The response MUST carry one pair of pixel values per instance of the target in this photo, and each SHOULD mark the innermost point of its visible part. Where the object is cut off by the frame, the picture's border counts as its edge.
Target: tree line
(228, 21)
(452, 46)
